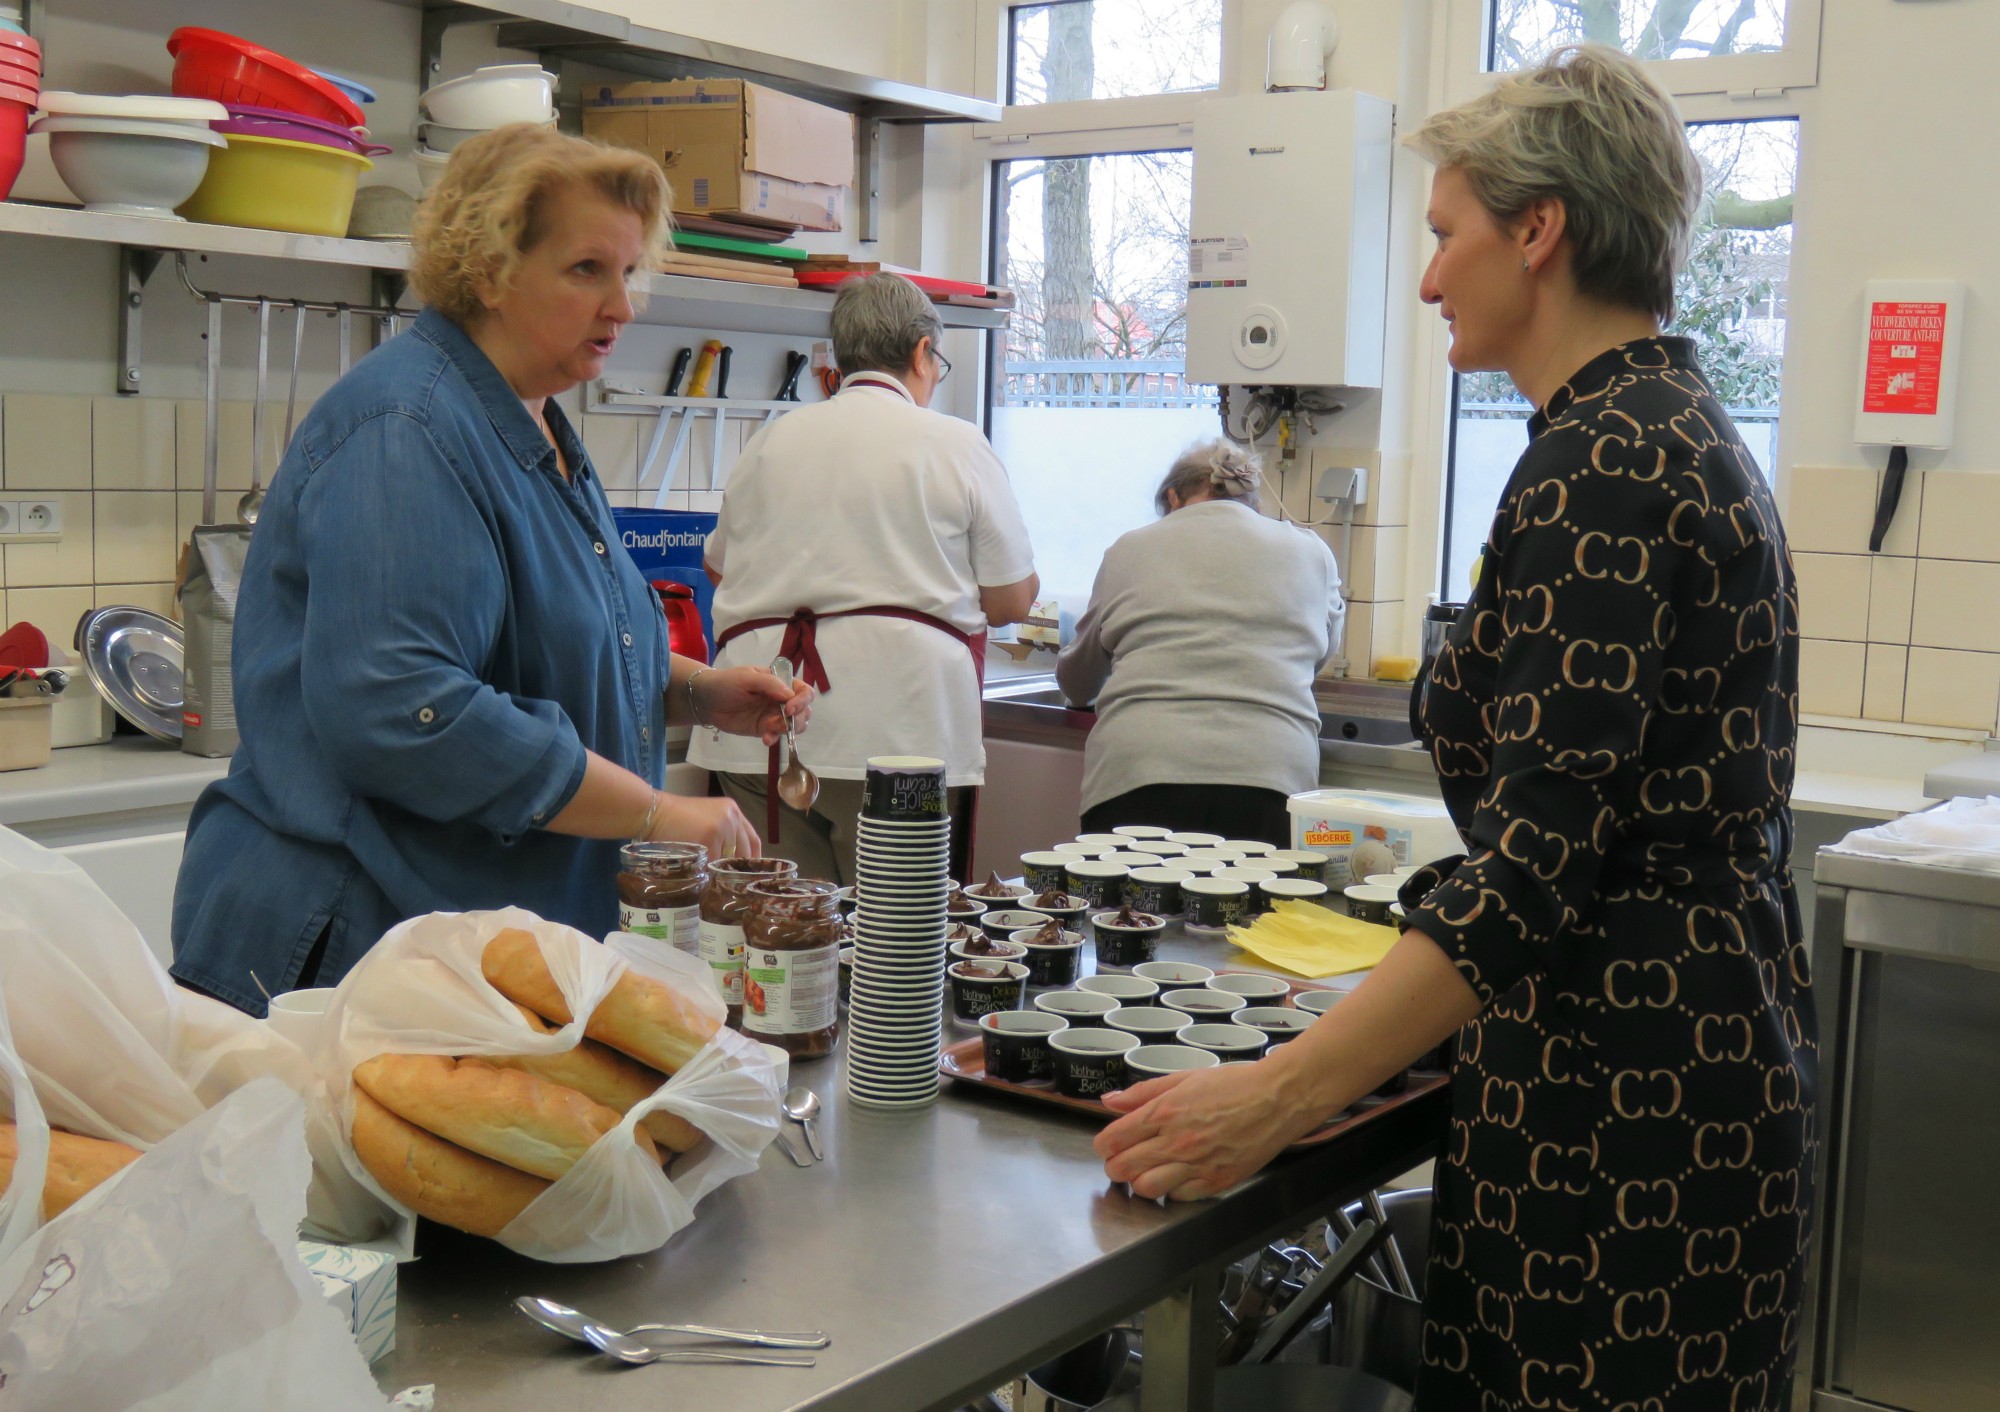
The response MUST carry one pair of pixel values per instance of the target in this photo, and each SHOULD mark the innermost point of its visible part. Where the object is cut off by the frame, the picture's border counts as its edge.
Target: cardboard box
(361, 1286)
(733, 148)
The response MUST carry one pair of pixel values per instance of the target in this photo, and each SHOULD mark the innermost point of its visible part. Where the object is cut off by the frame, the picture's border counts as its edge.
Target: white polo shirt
(863, 500)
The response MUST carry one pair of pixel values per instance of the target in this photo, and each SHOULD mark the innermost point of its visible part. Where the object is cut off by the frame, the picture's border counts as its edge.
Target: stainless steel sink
(1366, 712)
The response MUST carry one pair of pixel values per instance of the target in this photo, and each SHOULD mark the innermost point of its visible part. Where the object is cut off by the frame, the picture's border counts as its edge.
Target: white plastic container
(24, 733)
(1363, 831)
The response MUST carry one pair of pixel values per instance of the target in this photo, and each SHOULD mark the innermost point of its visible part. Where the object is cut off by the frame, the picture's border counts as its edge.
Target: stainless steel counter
(944, 1250)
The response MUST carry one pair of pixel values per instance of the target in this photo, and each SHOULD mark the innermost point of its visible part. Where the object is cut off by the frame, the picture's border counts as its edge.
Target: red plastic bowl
(26, 75)
(211, 64)
(21, 61)
(19, 93)
(13, 141)
(28, 48)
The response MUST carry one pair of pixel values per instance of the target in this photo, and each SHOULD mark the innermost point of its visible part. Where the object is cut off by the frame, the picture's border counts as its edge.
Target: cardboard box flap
(795, 140)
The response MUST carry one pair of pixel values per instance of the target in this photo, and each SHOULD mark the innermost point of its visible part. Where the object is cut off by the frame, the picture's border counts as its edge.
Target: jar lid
(643, 854)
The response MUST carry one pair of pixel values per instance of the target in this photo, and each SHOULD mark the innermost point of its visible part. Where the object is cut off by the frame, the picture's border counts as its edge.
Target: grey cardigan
(1203, 635)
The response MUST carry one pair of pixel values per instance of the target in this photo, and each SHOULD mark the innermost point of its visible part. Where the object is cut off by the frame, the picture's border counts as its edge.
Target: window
(1088, 405)
(1701, 46)
(1093, 49)
(1730, 299)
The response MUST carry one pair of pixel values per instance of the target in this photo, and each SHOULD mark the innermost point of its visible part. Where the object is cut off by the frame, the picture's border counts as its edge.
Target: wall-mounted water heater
(1288, 247)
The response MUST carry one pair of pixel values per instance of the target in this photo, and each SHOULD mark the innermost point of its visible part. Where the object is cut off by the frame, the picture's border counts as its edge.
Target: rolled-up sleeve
(407, 596)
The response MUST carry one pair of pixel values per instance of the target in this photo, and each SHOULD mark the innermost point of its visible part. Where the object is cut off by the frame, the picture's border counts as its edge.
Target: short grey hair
(1588, 126)
(878, 321)
(1219, 468)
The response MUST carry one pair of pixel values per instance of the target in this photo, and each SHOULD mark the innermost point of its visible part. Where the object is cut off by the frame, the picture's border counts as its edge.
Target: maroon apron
(800, 647)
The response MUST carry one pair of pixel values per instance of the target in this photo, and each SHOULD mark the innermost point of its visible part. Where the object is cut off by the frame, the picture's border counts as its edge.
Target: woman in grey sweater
(1199, 648)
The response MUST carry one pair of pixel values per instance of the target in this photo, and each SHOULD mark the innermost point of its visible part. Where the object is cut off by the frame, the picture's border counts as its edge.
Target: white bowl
(430, 165)
(129, 168)
(439, 138)
(141, 107)
(493, 96)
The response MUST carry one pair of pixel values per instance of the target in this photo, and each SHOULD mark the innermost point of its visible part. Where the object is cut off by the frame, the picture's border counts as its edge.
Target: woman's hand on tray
(1193, 1135)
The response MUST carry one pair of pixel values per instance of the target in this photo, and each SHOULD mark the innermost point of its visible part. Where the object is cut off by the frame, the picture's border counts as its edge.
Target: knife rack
(680, 414)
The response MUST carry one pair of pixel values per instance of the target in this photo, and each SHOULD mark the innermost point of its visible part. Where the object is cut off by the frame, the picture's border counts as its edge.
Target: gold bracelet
(652, 813)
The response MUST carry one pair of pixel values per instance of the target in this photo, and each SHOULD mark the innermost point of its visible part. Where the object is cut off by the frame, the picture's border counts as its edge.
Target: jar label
(790, 992)
(679, 927)
(722, 948)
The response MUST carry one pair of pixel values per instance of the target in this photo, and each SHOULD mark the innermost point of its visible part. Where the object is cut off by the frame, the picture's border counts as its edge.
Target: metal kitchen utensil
(211, 392)
(572, 1322)
(797, 786)
(632, 1350)
(253, 499)
(799, 1159)
(802, 1106)
(1372, 1204)
(346, 339)
(252, 504)
(134, 659)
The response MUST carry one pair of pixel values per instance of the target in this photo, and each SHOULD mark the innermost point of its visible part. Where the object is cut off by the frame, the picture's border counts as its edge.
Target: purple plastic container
(246, 121)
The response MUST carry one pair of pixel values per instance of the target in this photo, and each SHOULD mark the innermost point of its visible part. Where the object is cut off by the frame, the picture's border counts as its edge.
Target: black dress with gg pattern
(1624, 1204)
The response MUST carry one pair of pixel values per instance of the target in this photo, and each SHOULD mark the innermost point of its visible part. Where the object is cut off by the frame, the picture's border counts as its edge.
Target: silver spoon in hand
(798, 786)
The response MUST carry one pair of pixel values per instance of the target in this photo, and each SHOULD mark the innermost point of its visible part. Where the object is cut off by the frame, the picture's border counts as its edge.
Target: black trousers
(1232, 810)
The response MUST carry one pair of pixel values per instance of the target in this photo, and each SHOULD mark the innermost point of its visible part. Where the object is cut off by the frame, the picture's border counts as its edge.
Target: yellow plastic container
(274, 184)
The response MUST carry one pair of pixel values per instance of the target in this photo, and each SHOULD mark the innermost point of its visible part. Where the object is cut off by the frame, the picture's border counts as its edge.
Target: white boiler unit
(1288, 250)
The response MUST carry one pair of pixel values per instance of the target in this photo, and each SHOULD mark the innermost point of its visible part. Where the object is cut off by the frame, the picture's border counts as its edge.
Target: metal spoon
(631, 1350)
(252, 504)
(571, 1323)
(802, 1106)
(797, 786)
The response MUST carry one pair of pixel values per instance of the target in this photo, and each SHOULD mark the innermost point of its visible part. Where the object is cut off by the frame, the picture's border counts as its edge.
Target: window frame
(1738, 76)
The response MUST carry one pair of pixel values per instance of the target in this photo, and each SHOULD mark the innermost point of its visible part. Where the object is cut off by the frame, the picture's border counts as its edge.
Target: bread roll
(641, 1017)
(527, 1122)
(433, 1178)
(76, 1165)
(601, 1073)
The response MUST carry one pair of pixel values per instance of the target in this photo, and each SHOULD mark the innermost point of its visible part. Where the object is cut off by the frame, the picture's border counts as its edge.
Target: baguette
(77, 1165)
(530, 1124)
(436, 1179)
(602, 1074)
(642, 1018)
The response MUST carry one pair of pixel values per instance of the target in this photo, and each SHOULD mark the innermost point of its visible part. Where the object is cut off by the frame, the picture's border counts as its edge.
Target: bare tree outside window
(1131, 48)
(1524, 30)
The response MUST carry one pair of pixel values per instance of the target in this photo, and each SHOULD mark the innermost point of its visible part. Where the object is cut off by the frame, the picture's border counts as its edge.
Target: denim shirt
(433, 627)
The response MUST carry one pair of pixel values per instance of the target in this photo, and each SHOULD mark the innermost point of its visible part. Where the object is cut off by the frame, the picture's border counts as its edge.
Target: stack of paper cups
(896, 1007)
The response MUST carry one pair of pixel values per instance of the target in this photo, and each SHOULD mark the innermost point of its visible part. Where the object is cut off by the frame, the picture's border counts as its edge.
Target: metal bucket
(1376, 1329)
(1098, 1368)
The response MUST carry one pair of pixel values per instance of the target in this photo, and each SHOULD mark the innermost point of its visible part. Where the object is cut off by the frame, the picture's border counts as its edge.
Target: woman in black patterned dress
(1624, 1202)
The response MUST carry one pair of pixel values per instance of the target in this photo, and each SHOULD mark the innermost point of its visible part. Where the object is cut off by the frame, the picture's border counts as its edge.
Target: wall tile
(53, 610)
(1830, 510)
(1833, 595)
(1373, 630)
(70, 560)
(1882, 682)
(5, 621)
(46, 442)
(1379, 557)
(1961, 511)
(1952, 688)
(614, 443)
(1830, 677)
(137, 537)
(187, 514)
(1891, 594)
(153, 597)
(232, 444)
(1954, 605)
(132, 443)
(704, 502)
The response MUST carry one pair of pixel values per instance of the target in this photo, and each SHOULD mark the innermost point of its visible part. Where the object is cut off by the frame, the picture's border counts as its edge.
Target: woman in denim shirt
(452, 684)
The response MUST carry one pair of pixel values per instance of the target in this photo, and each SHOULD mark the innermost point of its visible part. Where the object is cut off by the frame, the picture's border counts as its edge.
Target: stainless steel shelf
(688, 301)
(64, 223)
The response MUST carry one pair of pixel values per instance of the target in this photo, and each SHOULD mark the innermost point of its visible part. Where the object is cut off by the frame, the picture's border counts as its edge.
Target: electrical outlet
(30, 521)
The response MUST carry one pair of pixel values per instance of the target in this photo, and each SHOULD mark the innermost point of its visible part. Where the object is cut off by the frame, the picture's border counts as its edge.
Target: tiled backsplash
(128, 473)
(1908, 634)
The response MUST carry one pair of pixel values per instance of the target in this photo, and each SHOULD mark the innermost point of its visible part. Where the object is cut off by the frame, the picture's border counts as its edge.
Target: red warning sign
(1905, 358)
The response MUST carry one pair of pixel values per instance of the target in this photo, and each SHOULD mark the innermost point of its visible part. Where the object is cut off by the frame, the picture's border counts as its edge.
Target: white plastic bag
(110, 1046)
(177, 1287)
(419, 990)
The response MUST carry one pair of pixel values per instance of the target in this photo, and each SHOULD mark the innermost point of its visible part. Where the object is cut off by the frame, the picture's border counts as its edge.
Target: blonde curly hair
(489, 209)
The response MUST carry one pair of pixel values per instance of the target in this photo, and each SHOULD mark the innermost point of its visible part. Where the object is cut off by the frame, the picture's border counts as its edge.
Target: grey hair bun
(1234, 471)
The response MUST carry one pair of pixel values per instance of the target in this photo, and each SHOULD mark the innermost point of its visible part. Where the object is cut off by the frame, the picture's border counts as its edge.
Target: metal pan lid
(134, 658)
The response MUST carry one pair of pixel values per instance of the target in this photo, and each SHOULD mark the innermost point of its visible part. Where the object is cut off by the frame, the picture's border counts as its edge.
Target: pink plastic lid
(247, 121)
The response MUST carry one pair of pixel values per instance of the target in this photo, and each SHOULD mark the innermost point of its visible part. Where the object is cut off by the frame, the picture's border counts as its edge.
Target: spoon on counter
(572, 1323)
(802, 1106)
(630, 1350)
(797, 786)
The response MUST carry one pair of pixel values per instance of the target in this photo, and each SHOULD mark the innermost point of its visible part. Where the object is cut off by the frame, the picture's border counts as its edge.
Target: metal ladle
(253, 498)
(797, 786)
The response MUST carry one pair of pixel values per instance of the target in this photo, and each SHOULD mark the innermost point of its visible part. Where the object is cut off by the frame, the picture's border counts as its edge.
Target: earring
(1526, 265)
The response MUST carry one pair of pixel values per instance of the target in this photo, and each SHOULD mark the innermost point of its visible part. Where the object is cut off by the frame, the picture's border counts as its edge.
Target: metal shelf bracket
(135, 266)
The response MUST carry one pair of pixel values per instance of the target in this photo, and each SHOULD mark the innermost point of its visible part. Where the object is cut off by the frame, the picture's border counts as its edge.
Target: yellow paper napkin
(1311, 941)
